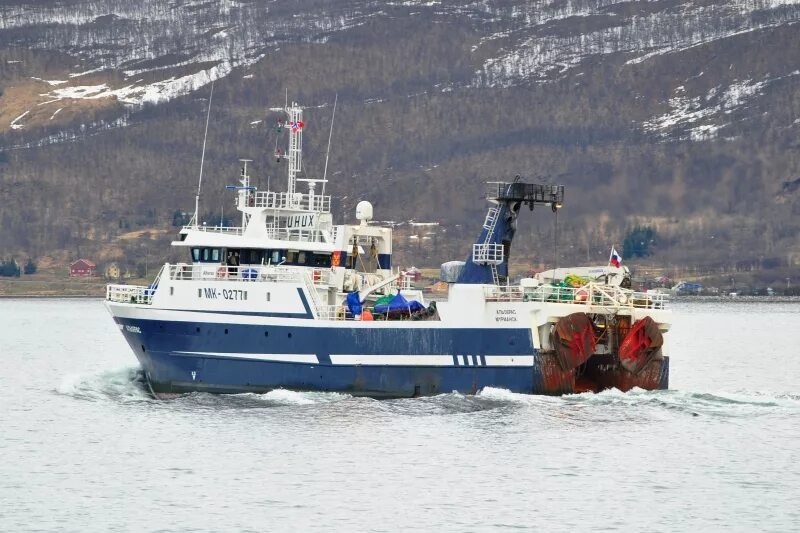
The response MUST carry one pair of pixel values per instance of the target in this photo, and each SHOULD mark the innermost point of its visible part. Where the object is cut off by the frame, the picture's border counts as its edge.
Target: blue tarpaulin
(398, 303)
(354, 303)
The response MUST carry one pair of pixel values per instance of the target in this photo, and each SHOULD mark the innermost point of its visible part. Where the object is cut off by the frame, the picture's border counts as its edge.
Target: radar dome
(364, 211)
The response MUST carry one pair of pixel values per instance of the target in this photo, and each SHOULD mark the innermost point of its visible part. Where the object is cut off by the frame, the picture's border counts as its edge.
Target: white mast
(295, 154)
(202, 160)
(328, 151)
(244, 190)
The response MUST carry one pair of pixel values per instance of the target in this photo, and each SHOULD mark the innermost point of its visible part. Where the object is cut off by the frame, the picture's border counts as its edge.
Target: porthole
(226, 331)
(290, 335)
(266, 333)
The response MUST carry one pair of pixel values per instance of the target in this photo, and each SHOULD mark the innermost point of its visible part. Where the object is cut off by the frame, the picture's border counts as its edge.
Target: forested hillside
(679, 117)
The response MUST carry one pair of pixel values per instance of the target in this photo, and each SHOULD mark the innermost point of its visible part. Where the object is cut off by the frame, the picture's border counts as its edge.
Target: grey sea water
(84, 448)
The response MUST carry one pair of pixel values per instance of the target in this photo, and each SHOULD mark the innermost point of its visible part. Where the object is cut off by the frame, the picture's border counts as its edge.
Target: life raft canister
(640, 345)
(574, 340)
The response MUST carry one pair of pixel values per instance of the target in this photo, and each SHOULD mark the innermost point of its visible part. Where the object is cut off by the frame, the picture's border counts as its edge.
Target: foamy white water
(83, 447)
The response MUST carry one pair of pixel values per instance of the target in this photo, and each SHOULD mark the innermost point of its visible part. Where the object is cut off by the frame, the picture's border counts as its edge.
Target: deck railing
(215, 272)
(228, 230)
(299, 201)
(404, 283)
(130, 294)
(135, 294)
(592, 294)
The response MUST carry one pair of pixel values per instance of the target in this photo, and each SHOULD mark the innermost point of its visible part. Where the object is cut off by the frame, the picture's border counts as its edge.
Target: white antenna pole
(328, 152)
(295, 152)
(202, 160)
(245, 192)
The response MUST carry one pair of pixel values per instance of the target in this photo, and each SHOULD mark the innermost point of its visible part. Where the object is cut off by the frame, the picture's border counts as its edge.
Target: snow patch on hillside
(80, 91)
(697, 117)
(14, 125)
(542, 45)
(187, 44)
(152, 93)
(160, 36)
(50, 82)
(71, 135)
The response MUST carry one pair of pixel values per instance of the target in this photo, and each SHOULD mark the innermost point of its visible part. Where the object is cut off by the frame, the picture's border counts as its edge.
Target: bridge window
(232, 257)
(253, 257)
(321, 260)
(206, 255)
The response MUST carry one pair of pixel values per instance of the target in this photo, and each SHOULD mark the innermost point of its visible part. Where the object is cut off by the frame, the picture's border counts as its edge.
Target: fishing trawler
(291, 300)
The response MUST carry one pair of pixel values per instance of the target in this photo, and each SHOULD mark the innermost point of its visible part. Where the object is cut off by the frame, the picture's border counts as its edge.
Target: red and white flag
(615, 259)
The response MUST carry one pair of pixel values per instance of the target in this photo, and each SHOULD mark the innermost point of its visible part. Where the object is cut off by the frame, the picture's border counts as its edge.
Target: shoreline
(48, 286)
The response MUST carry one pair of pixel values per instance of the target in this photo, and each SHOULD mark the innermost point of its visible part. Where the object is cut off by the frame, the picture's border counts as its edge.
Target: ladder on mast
(487, 252)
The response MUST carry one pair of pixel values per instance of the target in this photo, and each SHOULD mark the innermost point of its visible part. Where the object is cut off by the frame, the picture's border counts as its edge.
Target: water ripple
(126, 385)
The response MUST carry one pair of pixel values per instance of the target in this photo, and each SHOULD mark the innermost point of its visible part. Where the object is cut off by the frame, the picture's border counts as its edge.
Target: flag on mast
(614, 259)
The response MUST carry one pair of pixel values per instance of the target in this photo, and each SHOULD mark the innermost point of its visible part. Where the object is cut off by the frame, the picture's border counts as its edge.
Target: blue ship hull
(179, 357)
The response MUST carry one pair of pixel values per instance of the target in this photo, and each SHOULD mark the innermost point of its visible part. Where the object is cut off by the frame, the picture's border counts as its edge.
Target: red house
(82, 268)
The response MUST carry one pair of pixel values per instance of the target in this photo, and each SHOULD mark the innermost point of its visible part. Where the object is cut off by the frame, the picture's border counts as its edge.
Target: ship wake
(127, 385)
(122, 385)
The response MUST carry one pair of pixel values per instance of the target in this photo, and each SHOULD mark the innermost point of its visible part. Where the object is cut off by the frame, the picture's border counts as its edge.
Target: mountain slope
(680, 115)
